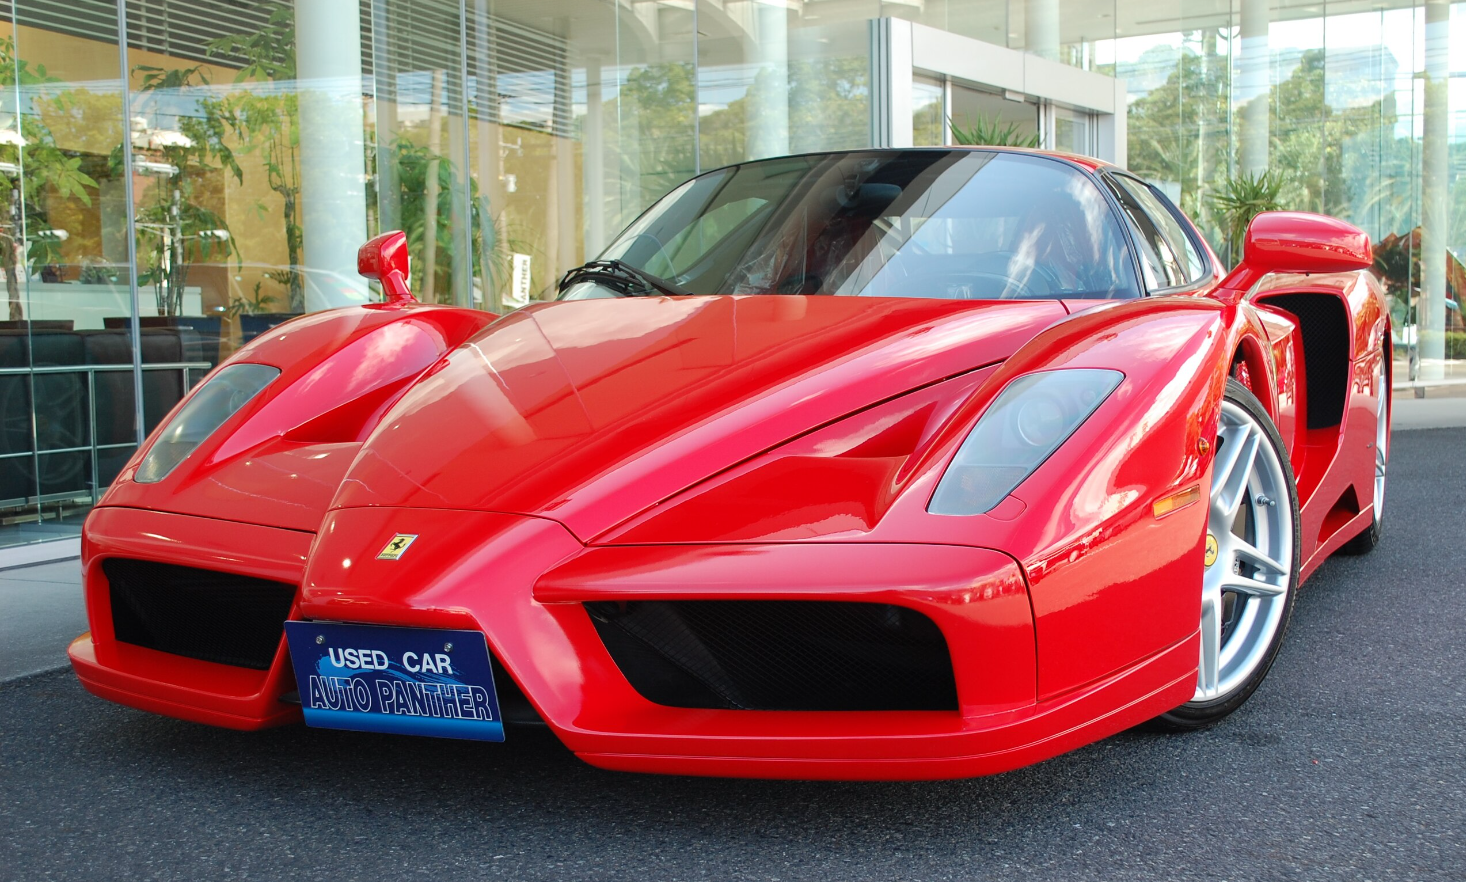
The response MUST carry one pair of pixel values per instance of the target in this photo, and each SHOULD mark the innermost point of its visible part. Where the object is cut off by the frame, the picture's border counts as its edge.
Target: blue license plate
(403, 681)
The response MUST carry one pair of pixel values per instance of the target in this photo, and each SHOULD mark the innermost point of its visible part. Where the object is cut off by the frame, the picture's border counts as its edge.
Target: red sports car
(878, 464)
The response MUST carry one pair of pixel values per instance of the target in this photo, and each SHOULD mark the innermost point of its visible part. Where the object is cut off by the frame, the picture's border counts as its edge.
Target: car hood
(589, 412)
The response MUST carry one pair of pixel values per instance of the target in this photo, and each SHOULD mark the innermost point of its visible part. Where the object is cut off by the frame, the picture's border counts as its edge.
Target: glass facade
(182, 176)
(1356, 110)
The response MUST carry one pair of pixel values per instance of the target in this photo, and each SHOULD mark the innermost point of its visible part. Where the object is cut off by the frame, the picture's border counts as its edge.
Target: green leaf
(990, 131)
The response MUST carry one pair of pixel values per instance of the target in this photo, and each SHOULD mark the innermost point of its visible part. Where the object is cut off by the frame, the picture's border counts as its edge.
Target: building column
(891, 83)
(566, 243)
(768, 111)
(332, 165)
(384, 105)
(1252, 85)
(594, 162)
(1041, 28)
(493, 259)
(1434, 187)
(460, 215)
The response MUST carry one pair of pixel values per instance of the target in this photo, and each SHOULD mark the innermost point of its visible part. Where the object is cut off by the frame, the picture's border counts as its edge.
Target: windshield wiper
(623, 277)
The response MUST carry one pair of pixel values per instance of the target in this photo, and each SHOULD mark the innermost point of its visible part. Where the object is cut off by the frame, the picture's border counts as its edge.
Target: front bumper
(522, 581)
(163, 683)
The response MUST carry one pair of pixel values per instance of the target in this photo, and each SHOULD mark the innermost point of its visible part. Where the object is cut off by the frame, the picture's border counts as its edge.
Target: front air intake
(202, 614)
(778, 654)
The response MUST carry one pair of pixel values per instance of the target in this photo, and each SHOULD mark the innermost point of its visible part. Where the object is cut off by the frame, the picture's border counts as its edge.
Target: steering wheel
(1056, 287)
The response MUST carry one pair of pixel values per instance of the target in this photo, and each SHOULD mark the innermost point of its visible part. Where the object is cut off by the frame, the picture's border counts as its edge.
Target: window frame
(1208, 269)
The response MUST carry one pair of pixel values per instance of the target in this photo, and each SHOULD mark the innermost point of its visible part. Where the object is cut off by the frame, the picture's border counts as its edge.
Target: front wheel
(1252, 560)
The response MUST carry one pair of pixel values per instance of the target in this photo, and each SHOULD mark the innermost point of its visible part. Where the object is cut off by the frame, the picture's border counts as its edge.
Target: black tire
(1198, 714)
(1365, 542)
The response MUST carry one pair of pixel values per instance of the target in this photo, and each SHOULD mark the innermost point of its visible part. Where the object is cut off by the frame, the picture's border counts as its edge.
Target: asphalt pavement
(1349, 763)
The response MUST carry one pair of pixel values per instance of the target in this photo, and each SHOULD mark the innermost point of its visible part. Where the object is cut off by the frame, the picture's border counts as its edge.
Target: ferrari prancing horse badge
(396, 546)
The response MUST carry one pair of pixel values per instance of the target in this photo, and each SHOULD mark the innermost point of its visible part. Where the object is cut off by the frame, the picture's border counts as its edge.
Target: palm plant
(991, 132)
(257, 303)
(1243, 197)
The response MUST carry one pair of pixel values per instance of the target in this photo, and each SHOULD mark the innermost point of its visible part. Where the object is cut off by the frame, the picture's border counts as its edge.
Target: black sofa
(48, 416)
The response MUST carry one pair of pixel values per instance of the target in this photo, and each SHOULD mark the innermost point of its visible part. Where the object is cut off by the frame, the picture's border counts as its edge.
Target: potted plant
(990, 131)
(1242, 198)
(254, 315)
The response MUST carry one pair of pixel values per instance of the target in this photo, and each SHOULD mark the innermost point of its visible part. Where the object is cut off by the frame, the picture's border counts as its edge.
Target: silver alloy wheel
(1249, 549)
(1381, 442)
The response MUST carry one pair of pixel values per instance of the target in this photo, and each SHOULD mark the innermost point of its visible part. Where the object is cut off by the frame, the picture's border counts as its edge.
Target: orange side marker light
(1177, 501)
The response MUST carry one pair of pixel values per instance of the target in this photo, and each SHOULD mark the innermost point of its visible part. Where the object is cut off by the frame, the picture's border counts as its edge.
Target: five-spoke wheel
(1251, 561)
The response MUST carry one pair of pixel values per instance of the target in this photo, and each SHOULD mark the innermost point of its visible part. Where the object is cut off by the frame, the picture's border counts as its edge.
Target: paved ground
(1438, 412)
(1349, 763)
(40, 611)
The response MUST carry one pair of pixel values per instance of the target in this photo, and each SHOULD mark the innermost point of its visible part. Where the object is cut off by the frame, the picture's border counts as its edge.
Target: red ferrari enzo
(879, 464)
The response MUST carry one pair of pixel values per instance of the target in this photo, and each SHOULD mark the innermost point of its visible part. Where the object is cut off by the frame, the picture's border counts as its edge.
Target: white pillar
(428, 273)
(1435, 180)
(571, 231)
(768, 112)
(460, 213)
(566, 243)
(1041, 28)
(384, 106)
(1252, 85)
(332, 167)
(491, 203)
(891, 83)
(594, 168)
(632, 189)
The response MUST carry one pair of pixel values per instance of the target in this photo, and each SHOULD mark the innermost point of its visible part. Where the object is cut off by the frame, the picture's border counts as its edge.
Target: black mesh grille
(202, 614)
(1324, 325)
(778, 654)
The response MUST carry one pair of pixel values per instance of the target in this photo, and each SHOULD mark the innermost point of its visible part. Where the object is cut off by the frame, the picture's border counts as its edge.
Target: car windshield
(954, 224)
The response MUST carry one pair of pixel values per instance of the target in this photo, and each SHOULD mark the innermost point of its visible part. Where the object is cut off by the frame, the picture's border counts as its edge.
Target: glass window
(67, 406)
(697, 197)
(1074, 131)
(978, 114)
(1167, 256)
(956, 224)
(928, 113)
(711, 229)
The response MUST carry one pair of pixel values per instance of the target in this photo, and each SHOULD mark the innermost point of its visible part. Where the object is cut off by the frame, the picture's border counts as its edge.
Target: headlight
(1023, 427)
(216, 401)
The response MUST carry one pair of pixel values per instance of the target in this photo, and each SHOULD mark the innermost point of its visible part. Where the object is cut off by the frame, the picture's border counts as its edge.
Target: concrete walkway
(1428, 413)
(40, 612)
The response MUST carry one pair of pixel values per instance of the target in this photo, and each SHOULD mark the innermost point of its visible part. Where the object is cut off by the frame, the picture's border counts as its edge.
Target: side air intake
(202, 614)
(778, 654)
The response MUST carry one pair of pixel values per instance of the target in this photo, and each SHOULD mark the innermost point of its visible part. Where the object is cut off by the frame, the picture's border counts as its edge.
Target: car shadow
(533, 777)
